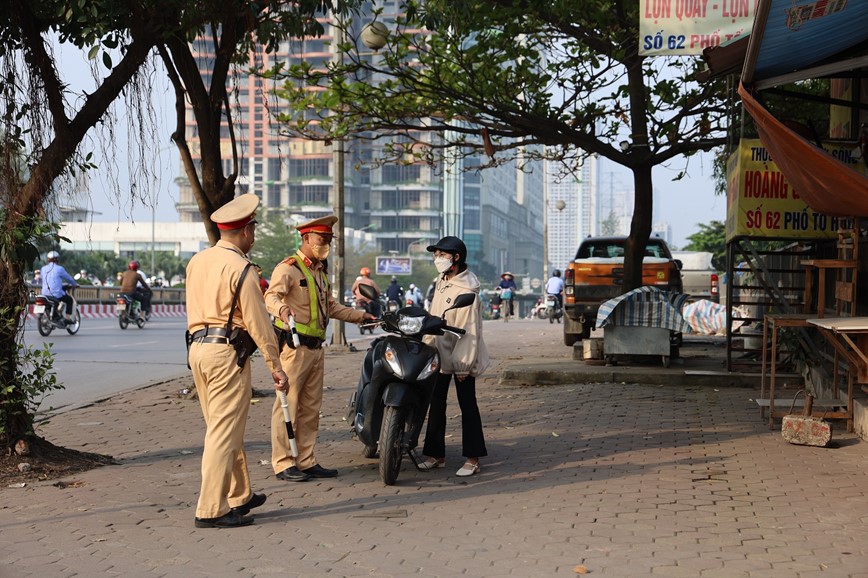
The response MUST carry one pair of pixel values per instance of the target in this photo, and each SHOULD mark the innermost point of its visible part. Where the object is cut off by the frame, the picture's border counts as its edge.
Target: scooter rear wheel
(370, 452)
(392, 442)
(123, 320)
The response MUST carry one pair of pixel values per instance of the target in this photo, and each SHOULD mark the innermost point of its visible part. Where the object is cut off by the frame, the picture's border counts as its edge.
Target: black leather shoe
(255, 501)
(231, 520)
(318, 471)
(293, 474)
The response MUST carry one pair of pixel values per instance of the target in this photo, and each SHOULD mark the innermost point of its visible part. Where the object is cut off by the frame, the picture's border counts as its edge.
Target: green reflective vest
(311, 329)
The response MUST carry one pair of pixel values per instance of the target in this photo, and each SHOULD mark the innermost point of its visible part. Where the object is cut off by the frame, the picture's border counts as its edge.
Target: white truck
(698, 275)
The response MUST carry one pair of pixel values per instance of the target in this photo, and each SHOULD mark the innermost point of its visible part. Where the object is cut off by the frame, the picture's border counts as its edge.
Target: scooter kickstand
(415, 457)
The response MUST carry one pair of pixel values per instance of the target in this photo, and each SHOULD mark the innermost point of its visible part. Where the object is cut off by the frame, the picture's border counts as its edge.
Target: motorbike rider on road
(371, 306)
(53, 276)
(395, 292)
(130, 286)
(555, 286)
(507, 284)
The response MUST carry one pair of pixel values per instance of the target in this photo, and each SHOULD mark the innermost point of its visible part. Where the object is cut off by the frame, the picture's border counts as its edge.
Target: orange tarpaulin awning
(826, 184)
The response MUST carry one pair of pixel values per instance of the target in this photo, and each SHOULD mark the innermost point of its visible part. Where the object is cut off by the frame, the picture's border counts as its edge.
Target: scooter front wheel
(73, 327)
(43, 324)
(391, 443)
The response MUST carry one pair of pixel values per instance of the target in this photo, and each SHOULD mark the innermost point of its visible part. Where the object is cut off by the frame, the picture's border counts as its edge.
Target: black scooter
(129, 310)
(388, 408)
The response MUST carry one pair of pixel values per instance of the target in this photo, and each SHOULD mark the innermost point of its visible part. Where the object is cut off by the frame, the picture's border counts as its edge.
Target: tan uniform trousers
(304, 367)
(224, 393)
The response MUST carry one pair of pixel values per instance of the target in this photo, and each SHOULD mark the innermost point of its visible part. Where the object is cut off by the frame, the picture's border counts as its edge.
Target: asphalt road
(102, 360)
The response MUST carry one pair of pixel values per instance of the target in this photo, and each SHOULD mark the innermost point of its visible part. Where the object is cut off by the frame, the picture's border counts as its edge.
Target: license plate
(121, 307)
(37, 309)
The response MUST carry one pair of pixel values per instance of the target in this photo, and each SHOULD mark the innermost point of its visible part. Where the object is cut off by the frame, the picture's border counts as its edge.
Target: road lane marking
(135, 344)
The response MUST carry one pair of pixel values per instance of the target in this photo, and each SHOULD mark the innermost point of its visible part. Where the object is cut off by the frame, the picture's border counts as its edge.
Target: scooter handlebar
(457, 330)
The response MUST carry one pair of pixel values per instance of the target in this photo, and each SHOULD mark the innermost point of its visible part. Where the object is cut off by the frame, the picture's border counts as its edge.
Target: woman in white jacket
(463, 357)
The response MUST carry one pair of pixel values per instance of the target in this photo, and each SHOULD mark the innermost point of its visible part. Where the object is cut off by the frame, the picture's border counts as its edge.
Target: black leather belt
(306, 341)
(212, 339)
(210, 335)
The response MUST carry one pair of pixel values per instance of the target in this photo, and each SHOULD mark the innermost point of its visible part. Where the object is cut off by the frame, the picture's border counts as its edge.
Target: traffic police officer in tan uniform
(224, 389)
(300, 287)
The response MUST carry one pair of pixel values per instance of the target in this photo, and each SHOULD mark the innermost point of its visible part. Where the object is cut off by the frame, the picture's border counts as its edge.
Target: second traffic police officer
(300, 287)
(214, 288)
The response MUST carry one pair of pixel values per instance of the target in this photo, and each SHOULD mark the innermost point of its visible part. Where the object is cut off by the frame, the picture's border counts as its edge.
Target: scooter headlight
(432, 367)
(393, 362)
(410, 325)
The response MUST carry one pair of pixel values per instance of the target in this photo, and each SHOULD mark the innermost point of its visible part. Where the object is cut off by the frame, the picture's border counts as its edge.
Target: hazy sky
(683, 204)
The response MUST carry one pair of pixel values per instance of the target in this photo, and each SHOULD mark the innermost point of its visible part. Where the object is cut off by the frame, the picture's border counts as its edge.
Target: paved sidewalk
(673, 479)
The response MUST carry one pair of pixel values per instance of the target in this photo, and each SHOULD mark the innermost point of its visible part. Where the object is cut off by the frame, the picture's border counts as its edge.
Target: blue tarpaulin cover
(645, 307)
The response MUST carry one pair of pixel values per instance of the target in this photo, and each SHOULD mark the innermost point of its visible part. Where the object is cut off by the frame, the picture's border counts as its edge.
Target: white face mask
(442, 264)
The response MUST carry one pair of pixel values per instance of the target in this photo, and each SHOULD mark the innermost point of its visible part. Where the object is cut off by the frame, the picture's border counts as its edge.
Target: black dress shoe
(293, 474)
(318, 471)
(231, 520)
(255, 501)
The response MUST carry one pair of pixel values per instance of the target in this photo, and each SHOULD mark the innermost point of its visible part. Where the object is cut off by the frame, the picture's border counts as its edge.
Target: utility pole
(339, 338)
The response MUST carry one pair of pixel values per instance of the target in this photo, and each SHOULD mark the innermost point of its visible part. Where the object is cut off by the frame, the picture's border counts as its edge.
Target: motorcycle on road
(388, 408)
(553, 310)
(49, 313)
(129, 310)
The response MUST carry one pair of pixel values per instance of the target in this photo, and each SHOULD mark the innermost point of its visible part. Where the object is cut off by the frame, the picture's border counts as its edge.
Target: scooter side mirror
(463, 300)
(367, 291)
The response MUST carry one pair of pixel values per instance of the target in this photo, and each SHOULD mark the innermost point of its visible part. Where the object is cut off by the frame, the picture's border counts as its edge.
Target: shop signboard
(761, 203)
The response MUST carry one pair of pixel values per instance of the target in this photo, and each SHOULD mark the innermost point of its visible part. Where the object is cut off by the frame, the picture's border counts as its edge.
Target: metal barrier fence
(89, 294)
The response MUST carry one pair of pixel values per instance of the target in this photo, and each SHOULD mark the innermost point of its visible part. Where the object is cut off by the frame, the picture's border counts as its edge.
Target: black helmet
(450, 245)
(557, 273)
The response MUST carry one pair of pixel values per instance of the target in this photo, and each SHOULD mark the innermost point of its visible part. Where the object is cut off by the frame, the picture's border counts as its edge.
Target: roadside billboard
(389, 265)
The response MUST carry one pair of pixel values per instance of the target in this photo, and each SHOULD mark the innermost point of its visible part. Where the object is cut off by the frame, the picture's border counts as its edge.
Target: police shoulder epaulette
(290, 260)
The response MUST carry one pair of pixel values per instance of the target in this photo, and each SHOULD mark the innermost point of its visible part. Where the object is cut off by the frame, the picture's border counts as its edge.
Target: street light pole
(339, 338)
(153, 238)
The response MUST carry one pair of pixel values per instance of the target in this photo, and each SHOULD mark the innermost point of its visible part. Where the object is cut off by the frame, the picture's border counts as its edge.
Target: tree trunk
(12, 298)
(27, 201)
(640, 226)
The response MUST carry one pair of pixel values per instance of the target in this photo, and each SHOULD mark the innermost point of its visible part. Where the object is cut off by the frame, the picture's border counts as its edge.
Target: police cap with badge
(237, 213)
(322, 225)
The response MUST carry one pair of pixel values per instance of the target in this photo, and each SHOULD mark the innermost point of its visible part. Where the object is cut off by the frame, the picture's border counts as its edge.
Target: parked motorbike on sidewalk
(50, 313)
(553, 309)
(129, 310)
(388, 408)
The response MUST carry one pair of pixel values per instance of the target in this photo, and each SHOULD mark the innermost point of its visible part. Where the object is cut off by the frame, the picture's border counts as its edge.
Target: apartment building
(497, 211)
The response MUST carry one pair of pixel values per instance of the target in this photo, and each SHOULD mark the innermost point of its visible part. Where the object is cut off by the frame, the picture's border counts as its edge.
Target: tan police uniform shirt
(288, 290)
(212, 278)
